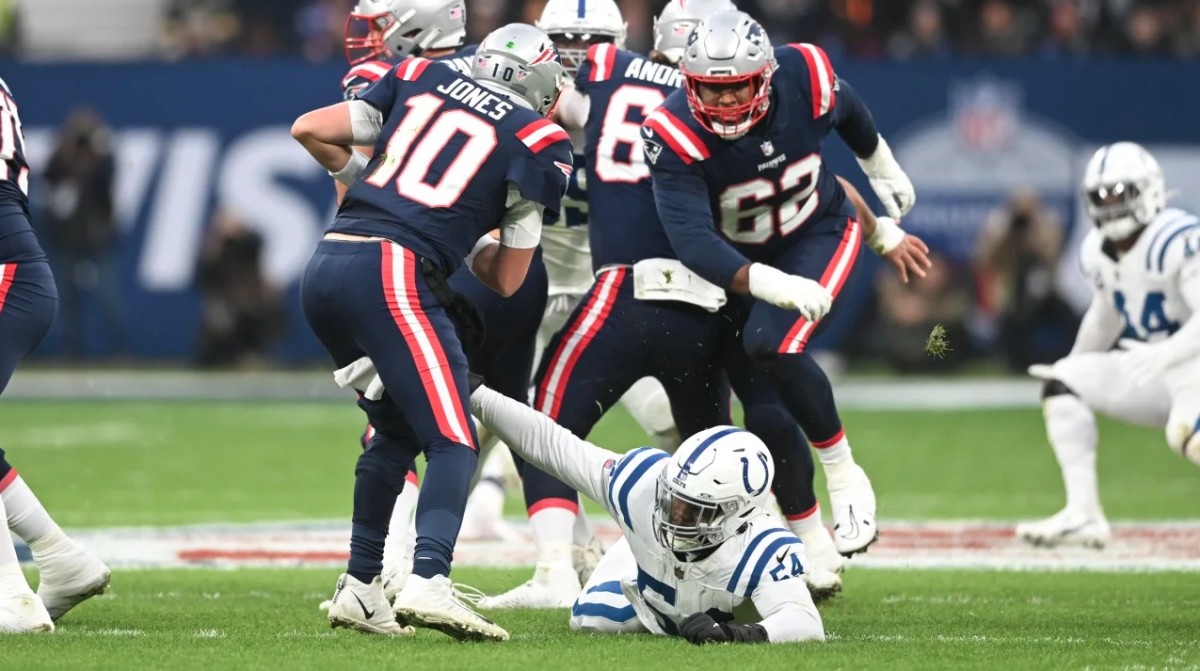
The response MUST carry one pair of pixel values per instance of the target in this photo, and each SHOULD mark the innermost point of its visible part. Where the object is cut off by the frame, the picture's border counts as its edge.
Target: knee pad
(1052, 388)
(385, 459)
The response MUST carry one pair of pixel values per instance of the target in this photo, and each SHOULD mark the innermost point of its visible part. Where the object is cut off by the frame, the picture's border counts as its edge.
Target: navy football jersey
(364, 74)
(17, 241)
(759, 190)
(623, 88)
(447, 152)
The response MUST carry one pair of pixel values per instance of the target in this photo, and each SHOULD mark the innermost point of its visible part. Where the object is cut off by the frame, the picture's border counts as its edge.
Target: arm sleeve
(682, 201)
(787, 609)
(854, 122)
(521, 225)
(573, 108)
(1184, 344)
(545, 444)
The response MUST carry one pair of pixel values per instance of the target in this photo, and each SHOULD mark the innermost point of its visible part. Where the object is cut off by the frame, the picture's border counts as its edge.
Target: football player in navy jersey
(28, 299)
(380, 34)
(741, 189)
(566, 547)
(456, 157)
(646, 315)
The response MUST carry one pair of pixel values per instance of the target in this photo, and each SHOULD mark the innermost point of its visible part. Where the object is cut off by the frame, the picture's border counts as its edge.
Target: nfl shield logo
(986, 112)
(457, 13)
(768, 148)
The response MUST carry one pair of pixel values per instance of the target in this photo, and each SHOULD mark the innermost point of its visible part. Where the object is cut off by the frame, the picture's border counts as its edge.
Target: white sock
(553, 524)
(835, 451)
(805, 522)
(12, 580)
(400, 537)
(28, 519)
(581, 531)
(1071, 429)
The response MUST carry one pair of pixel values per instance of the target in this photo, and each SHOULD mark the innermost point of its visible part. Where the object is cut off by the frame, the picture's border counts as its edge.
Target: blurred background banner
(179, 214)
(202, 155)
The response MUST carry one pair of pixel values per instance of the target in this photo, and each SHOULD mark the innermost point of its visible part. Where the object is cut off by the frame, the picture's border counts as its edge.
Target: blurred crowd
(902, 29)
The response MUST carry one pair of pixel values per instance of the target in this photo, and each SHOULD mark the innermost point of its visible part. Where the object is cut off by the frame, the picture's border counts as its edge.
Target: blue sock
(440, 507)
(378, 479)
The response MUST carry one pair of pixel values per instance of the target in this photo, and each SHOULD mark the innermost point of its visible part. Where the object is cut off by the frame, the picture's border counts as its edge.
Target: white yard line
(979, 545)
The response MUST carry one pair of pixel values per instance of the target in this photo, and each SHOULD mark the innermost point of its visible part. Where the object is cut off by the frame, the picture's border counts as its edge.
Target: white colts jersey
(1143, 284)
(764, 564)
(565, 246)
(644, 587)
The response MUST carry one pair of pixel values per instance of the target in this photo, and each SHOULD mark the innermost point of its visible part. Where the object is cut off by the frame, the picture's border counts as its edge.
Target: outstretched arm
(545, 444)
(885, 237)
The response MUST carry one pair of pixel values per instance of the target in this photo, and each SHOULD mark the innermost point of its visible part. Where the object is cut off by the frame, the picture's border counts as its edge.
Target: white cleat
(824, 564)
(584, 558)
(24, 614)
(552, 586)
(1067, 528)
(853, 502)
(393, 578)
(822, 584)
(68, 577)
(362, 607)
(433, 603)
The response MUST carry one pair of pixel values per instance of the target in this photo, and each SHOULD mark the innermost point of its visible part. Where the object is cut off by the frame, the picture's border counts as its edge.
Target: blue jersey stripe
(611, 613)
(623, 494)
(612, 586)
(767, 555)
(741, 567)
(618, 470)
(645, 580)
(1179, 216)
(1162, 253)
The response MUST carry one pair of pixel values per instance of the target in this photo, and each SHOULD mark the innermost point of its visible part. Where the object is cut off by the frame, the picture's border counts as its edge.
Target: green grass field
(120, 464)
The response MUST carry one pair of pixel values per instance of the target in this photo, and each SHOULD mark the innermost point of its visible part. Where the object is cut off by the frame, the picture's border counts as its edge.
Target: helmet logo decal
(746, 475)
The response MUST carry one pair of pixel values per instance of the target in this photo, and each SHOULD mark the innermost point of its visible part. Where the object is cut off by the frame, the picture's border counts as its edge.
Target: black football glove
(701, 628)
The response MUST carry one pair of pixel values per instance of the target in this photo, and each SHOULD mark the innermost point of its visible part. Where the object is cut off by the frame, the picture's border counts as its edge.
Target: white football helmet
(728, 50)
(520, 61)
(717, 481)
(574, 25)
(1123, 188)
(676, 21)
(400, 28)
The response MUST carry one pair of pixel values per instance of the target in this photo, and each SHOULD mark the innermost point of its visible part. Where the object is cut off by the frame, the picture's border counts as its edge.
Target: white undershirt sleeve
(366, 123)
(521, 226)
(543, 443)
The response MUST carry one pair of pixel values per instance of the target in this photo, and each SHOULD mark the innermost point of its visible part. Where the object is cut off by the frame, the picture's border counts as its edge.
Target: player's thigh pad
(1099, 380)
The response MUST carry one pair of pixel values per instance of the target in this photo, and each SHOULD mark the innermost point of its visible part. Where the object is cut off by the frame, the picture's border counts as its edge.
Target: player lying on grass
(698, 542)
(1143, 260)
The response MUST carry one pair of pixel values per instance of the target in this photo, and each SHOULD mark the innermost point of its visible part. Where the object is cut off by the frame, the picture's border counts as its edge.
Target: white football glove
(1143, 363)
(790, 292)
(888, 180)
